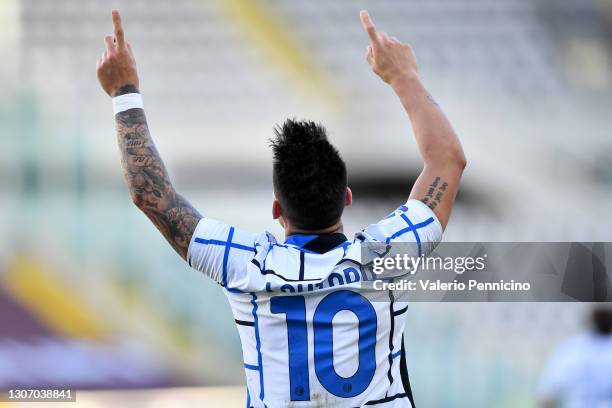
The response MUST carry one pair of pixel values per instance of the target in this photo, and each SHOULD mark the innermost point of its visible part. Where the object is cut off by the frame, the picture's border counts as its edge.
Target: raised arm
(440, 148)
(144, 171)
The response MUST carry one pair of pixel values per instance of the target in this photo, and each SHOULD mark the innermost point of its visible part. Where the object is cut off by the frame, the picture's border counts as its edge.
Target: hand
(390, 59)
(117, 67)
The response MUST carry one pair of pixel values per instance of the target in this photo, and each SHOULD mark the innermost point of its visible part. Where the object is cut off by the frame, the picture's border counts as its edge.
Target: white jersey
(579, 373)
(309, 337)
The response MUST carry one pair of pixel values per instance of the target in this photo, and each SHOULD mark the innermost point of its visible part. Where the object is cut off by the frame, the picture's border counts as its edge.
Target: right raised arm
(439, 146)
(145, 173)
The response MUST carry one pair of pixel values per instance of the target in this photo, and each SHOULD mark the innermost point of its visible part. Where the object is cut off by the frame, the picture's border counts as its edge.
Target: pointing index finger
(118, 28)
(368, 26)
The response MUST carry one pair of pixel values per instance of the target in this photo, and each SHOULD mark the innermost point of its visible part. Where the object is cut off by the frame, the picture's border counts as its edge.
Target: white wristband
(127, 101)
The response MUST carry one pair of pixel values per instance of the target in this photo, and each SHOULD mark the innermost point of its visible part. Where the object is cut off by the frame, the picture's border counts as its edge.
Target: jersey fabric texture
(309, 337)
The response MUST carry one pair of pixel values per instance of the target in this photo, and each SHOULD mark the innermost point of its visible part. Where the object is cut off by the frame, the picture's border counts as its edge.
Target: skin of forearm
(435, 137)
(149, 183)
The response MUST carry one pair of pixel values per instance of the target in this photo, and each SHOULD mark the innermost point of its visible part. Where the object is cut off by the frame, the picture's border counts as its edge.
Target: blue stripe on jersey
(300, 239)
(233, 290)
(345, 247)
(258, 346)
(226, 254)
(411, 227)
(394, 355)
(248, 404)
(224, 243)
(228, 245)
(251, 367)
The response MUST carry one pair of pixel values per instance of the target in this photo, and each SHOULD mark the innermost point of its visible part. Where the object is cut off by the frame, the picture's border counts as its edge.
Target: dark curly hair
(309, 175)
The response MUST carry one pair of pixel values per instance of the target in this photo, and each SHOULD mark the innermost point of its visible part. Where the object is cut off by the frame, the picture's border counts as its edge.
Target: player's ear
(277, 210)
(348, 199)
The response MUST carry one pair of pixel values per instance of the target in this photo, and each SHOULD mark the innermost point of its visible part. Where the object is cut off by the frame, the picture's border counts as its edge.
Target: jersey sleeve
(411, 222)
(222, 251)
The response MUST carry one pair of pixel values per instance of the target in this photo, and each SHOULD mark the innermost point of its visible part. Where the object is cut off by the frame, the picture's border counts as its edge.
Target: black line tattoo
(148, 181)
(432, 100)
(434, 194)
(125, 90)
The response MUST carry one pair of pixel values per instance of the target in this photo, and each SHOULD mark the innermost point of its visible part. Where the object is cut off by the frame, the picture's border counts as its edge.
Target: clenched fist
(117, 67)
(390, 59)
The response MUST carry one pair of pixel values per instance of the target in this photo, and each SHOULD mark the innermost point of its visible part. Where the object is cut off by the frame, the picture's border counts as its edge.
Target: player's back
(315, 338)
(311, 336)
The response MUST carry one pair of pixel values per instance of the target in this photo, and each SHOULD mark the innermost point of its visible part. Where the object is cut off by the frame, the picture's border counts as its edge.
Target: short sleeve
(411, 222)
(222, 251)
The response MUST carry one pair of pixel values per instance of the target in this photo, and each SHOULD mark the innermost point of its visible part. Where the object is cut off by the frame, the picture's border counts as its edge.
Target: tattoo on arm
(125, 90)
(434, 194)
(432, 100)
(149, 183)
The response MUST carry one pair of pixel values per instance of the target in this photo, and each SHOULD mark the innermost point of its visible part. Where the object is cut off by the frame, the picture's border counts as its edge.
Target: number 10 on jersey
(294, 307)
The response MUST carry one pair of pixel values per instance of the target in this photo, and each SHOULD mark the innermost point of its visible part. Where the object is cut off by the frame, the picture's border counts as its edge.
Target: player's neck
(337, 227)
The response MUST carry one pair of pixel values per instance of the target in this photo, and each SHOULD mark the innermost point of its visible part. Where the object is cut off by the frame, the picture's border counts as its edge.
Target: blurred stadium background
(92, 297)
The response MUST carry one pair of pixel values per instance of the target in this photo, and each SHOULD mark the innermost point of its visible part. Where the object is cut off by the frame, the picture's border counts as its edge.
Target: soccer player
(309, 337)
(579, 372)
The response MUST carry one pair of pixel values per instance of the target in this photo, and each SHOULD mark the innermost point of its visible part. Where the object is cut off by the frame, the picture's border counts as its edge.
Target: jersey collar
(317, 243)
